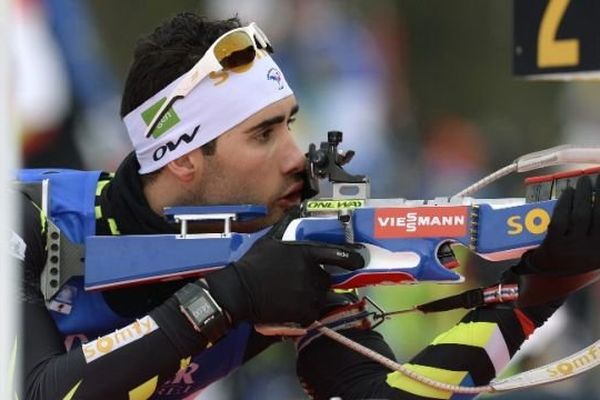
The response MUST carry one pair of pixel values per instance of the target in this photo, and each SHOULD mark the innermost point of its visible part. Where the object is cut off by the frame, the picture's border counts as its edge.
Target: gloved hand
(277, 281)
(569, 257)
(572, 244)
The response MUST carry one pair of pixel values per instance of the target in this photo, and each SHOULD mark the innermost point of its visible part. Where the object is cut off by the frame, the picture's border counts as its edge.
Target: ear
(186, 167)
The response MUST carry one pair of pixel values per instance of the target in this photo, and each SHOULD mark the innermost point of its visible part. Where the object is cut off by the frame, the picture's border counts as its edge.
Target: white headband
(216, 105)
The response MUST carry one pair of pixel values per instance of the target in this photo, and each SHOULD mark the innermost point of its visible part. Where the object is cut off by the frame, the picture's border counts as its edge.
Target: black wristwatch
(203, 312)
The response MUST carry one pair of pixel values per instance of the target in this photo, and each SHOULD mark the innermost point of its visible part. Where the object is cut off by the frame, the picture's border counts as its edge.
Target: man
(226, 140)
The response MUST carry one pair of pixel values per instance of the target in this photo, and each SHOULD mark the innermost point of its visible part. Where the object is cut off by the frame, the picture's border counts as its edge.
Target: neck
(163, 192)
(159, 194)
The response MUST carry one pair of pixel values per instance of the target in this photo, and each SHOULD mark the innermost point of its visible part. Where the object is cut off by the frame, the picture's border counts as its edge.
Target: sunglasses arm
(161, 113)
(192, 78)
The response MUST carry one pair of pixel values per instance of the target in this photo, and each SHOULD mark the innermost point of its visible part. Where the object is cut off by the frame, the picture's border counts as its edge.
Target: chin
(258, 223)
(275, 214)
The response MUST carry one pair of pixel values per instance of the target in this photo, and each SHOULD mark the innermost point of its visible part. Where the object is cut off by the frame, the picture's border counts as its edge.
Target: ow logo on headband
(170, 146)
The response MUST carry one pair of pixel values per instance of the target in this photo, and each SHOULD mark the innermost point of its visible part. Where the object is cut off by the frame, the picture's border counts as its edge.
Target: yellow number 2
(553, 52)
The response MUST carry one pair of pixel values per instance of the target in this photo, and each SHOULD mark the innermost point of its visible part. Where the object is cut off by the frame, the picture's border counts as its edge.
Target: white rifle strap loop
(559, 155)
(501, 293)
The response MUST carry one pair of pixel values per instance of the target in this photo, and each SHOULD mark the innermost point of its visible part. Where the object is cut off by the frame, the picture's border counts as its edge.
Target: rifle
(406, 242)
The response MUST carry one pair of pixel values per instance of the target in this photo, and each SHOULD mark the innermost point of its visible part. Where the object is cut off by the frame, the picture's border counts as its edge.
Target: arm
(470, 354)
(49, 371)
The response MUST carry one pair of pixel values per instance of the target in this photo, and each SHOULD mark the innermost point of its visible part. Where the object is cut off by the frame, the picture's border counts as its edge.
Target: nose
(293, 159)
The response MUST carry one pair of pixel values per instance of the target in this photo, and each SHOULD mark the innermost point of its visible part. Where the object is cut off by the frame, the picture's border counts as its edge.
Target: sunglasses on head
(233, 49)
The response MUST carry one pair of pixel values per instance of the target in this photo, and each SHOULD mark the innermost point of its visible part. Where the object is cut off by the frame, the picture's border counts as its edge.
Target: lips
(292, 196)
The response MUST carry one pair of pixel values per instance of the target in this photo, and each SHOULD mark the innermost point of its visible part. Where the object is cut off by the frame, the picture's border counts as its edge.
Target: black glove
(277, 281)
(569, 257)
(572, 244)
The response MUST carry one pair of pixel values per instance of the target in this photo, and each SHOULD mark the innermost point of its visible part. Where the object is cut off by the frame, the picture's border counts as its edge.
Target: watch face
(201, 309)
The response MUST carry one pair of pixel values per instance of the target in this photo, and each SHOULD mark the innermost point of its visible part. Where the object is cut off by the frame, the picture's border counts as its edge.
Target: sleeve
(471, 353)
(49, 371)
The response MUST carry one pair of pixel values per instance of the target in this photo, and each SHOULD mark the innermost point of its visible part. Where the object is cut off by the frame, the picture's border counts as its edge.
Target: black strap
(499, 293)
(469, 299)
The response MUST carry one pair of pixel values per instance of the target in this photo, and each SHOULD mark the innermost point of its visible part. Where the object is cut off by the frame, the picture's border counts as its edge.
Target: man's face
(256, 162)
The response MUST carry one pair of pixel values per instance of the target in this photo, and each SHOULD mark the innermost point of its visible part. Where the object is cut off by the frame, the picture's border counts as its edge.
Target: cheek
(252, 165)
(232, 184)
(259, 185)
(246, 173)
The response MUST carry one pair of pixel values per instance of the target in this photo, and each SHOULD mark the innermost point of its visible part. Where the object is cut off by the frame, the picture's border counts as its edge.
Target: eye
(290, 122)
(264, 136)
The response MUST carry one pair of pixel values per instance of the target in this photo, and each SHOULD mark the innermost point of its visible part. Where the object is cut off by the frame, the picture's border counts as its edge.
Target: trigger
(446, 256)
(362, 251)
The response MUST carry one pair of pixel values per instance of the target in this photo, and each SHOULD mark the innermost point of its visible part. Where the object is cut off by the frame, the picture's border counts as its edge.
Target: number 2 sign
(556, 38)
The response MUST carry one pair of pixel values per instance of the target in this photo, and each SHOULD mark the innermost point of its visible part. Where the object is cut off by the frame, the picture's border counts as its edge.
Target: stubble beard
(216, 189)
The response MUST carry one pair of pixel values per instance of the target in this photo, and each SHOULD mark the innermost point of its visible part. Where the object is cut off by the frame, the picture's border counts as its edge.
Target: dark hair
(167, 53)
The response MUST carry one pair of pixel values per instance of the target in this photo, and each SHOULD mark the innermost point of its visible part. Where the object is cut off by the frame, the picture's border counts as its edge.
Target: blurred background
(423, 91)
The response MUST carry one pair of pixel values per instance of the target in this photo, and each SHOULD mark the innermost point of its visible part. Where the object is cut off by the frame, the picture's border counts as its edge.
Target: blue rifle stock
(397, 255)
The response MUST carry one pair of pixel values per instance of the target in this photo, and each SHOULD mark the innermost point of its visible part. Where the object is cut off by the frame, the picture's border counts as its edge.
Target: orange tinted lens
(239, 58)
(234, 50)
